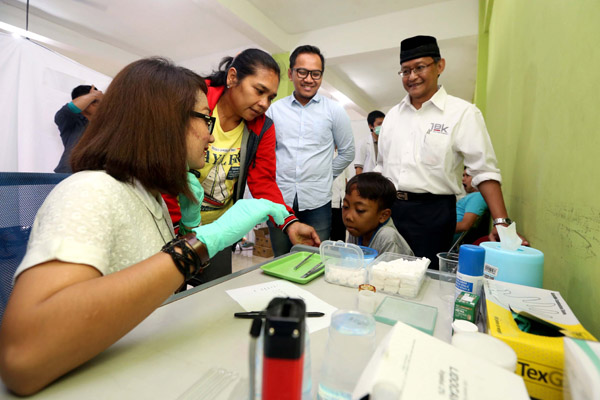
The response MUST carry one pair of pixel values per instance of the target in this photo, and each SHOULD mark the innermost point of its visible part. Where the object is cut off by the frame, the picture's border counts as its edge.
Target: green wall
(286, 87)
(539, 87)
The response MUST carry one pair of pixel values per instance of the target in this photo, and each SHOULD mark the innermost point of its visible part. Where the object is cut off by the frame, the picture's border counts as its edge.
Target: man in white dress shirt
(309, 127)
(366, 154)
(424, 141)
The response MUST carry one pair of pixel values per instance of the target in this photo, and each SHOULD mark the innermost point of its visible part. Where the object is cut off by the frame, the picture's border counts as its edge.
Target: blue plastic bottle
(469, 277)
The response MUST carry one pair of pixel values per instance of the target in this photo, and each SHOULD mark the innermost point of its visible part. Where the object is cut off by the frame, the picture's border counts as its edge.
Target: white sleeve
(75, 223)
(343, 139)
(359, 160)
(474, 143)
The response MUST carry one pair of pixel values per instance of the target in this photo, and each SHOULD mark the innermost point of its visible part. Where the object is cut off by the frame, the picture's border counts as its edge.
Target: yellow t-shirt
(221, 170)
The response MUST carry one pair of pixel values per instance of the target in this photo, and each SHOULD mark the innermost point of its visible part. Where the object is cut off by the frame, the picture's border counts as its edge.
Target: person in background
(103, 254)
(239, 93)
(468, 208)
(366, 156)
(367, 214)
(73, 118)
(423, 144)
(338, 229)
(309, 128)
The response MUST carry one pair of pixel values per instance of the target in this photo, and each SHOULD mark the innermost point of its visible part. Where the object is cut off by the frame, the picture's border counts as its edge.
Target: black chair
(480, 228)
(21, 195)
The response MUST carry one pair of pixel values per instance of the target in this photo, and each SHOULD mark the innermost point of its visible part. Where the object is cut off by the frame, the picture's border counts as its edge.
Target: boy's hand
(300, 233)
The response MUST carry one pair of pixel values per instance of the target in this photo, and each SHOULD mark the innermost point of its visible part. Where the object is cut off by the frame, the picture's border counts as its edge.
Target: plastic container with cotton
(345, 263)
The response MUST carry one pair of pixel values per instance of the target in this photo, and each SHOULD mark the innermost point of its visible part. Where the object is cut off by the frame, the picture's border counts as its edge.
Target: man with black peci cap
(424, 141)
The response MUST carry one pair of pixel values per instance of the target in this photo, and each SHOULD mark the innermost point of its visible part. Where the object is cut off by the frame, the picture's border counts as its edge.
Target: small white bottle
(469, 277)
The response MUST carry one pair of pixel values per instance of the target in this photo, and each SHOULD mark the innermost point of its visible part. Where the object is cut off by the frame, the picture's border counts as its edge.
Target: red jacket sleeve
(173, 206)
(262, 174)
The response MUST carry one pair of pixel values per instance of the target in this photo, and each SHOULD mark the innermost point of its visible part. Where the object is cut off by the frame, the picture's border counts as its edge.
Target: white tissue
(509, 240)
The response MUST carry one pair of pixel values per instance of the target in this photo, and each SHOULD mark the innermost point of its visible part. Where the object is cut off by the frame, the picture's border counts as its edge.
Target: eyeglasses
(316, 74)
(210, 121)
(418, 70)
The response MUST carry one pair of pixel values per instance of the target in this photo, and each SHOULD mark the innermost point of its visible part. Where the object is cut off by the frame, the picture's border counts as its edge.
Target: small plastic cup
(448, 262)
(447, 278)
(448, 265)
(366, 301)
(350, 345)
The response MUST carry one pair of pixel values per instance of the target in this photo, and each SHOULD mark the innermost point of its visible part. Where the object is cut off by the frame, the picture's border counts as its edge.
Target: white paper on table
(419, 366)
(257, 298)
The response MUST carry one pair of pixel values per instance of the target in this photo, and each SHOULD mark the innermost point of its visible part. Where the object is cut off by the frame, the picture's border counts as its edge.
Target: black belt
(409, 196)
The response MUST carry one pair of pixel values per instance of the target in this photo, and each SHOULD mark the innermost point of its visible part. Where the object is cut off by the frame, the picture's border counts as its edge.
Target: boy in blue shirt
(366, 212)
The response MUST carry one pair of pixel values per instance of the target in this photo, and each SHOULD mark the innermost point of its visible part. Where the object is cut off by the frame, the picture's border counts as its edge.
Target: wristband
(193, 258)
(199, 248)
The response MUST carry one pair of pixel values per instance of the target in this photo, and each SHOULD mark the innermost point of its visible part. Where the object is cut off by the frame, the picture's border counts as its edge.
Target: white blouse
(91, 218)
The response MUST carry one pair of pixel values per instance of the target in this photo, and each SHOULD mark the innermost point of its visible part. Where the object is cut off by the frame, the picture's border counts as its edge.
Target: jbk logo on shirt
(438, 128)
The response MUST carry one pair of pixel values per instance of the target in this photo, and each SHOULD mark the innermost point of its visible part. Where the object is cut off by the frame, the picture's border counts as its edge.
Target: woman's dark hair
(373, 186)
(246, 63)
(139, 130)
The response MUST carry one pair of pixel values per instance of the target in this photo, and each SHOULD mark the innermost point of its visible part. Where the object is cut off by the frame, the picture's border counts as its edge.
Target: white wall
(360, 129)
(35, 83)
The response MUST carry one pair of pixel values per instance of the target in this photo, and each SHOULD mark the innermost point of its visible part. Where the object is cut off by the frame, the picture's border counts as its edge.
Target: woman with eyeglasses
(102, 253)
(239, 94)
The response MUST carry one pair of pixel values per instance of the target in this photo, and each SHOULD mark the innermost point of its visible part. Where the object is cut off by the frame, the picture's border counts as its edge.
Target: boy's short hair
(80, 90)
(373, 115)
(373, 186)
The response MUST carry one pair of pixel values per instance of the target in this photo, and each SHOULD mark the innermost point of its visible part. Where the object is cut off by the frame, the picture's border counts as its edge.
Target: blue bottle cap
(471, 259)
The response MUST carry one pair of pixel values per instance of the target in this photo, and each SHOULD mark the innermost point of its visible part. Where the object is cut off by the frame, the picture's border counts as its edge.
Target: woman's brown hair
(139, 130)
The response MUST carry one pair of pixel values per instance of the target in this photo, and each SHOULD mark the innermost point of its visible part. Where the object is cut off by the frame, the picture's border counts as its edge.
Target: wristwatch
(506, 221)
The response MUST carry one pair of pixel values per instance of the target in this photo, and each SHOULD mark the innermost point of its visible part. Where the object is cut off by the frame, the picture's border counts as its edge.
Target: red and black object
(283, 361)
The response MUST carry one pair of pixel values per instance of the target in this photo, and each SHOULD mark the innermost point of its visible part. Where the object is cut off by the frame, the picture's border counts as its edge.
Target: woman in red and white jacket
(239, 94)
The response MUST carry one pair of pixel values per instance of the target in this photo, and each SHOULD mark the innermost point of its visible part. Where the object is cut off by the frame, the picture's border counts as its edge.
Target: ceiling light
(18, 32)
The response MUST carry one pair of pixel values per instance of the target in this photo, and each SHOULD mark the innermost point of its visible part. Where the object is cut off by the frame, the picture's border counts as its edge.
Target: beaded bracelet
(193, 258)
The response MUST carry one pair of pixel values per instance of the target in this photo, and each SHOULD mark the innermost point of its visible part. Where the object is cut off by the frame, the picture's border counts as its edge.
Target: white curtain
(35, 82)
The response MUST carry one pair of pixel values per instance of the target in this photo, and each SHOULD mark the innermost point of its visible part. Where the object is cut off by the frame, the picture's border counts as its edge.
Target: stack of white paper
(415, 365)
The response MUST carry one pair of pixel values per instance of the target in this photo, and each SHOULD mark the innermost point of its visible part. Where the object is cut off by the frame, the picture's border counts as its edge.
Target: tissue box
(398, 274)
(582, 370)
(540, 358)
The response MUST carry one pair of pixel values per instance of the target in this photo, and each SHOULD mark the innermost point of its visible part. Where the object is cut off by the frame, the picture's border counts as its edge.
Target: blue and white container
(524, 266)
(469, 277)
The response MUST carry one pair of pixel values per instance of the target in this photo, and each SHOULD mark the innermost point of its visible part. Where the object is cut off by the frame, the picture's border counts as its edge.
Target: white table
(195, 331)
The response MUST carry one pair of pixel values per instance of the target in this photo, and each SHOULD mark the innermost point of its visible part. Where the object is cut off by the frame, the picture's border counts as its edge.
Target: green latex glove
(238, 221)
(190, 211)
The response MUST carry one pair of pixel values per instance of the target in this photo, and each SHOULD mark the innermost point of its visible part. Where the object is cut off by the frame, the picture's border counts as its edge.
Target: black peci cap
(418, 46)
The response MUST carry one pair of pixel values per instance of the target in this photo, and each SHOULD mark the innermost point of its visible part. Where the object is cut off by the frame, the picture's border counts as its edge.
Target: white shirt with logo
(423, 151)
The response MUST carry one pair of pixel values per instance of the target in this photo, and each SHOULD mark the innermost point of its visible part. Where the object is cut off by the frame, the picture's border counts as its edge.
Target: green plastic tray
(284, 267)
